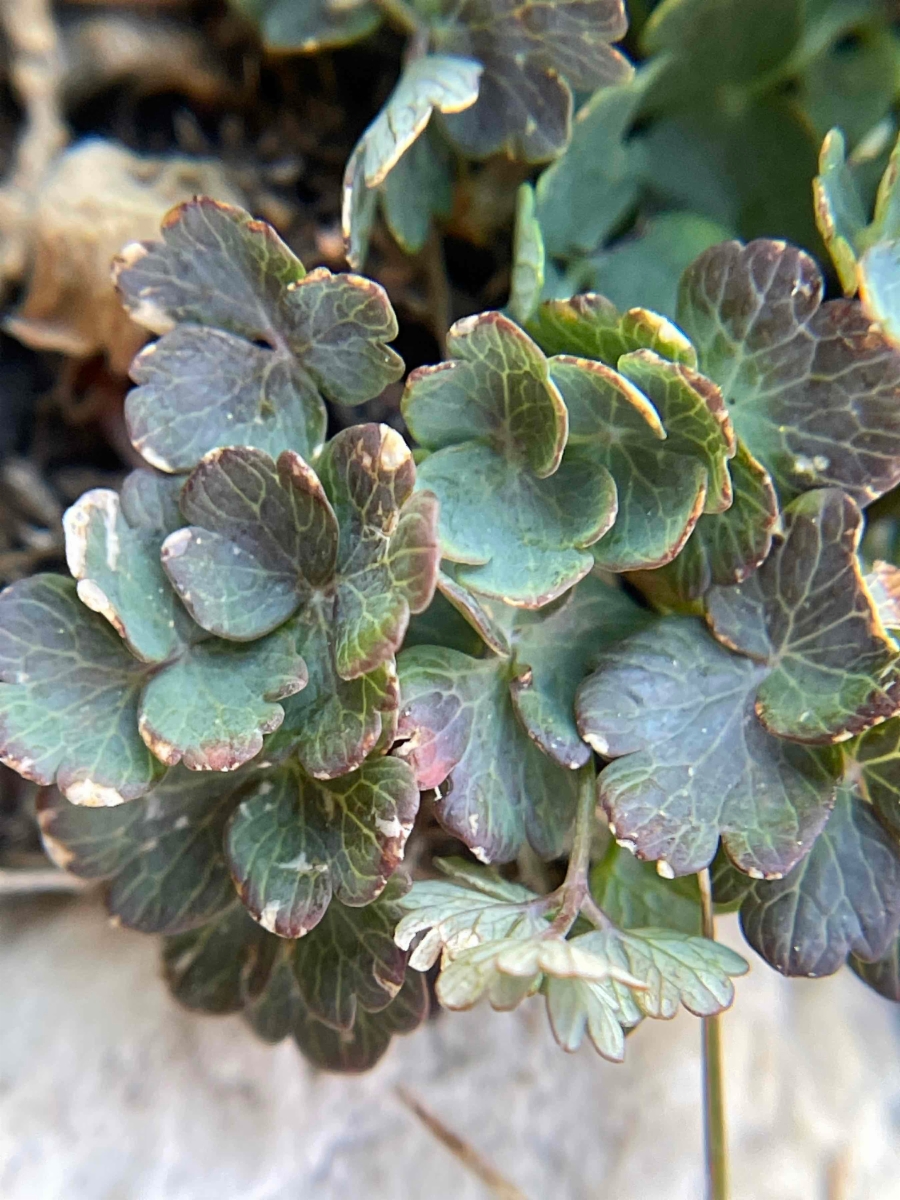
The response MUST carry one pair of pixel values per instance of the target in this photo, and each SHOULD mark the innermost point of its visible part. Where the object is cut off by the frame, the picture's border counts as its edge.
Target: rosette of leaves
(495, 939)
(496, 735)
(346, 555)
(866, 254)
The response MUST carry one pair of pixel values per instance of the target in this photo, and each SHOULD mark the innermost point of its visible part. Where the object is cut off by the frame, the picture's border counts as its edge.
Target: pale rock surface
(109, 1091)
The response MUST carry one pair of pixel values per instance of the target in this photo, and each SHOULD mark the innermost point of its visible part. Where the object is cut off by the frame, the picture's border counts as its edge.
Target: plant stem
(713, 1086)
(575, 885)
(439, 301)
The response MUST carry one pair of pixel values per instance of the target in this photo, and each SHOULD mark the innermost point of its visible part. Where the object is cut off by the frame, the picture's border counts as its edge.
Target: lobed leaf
(587, 192)
(811, 388)
(161, 855)
(533, 55)
(310, 26)
(442, 82)
(69, 696)
(456, 915)
(842, 898)
(251, 344)
(221, 966)
(725, 548)
(458, 721)
(590, 326)
(294, 842)
(553, 650)
(280, 1012)
(497, 425)
(676, 969)
(807, 614)
(661, 432)
(211, 707)
(634, 895)
(112, 549)
(267, 538)
(674, 709)
(349, 963)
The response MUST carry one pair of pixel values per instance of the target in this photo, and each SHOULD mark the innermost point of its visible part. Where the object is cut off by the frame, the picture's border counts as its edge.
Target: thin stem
(439, 302)
(401, 15)
(713, 1085)
(498, 1186)
(575, 885)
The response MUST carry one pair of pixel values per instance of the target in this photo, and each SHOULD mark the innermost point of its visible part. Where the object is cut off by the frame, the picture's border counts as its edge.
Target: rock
(109, 1091)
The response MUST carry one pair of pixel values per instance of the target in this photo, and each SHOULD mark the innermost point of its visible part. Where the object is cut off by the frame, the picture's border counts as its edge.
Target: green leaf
(883, 975)
(350, 962)
(498, 426)
(392, 158)
(251, 344)
(692, 761)
(211, 707)
(333, 724)
(69, 696)
(711, 43)
(852, 81)
(262, 539)
(455, 915)
(221, 966)
(418, 188)
(662, 433)
(590, 326)
(806, 614)
(310, 26)
(459, 721)
(725, 548)
(842, 898)
(550, 652)
(161, 855)
(840, 216)
(587, 192)
(811, 387)
(676, 969)
(576, 1008)
(879, 287)
(527, 281)
(295, 842)
(645, 269)
(265, 539)
(112, 549)
(443, 82)
(510, 969)
(533, 54)
(633, 894)
(553, 650)
(280, 1011)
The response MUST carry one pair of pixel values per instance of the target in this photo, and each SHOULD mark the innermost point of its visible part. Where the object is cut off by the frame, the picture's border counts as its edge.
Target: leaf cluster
(621, 541)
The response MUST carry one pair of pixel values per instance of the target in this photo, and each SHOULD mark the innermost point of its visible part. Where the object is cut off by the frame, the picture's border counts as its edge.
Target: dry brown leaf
(97, 197)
